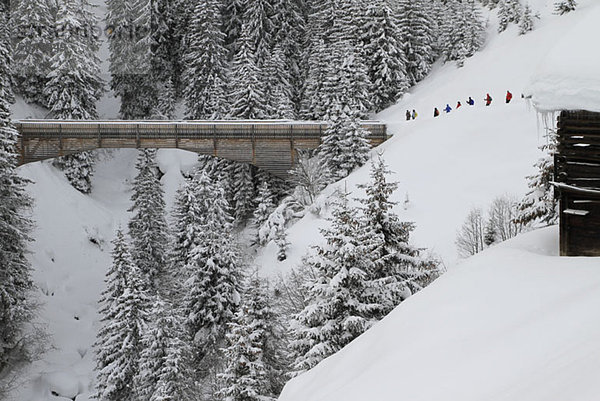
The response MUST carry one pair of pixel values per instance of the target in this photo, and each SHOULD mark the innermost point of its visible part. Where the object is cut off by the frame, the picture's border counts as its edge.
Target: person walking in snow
(508, 97)
(414, 114)
(470, 102)
(448, 109)
(458, 105)
(407, 115)
(436, 112)
(488, 100)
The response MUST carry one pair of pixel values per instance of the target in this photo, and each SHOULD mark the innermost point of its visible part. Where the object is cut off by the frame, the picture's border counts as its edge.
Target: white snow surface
(568, 78)
(515, 322)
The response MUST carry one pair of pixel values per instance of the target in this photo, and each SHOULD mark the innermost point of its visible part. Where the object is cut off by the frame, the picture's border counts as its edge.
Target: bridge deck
(268, 144)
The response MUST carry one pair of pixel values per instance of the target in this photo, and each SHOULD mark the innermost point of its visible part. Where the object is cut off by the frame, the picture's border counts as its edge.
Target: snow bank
(568, 78)
(516, 322)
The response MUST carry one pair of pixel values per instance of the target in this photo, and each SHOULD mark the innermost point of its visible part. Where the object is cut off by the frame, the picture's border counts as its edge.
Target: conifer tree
(124, 310)
(246, 94)
(258, 28)
(345, 145)
(212, 291)
(164, 371)
(148, 227)
(463, 32)
(33, 30)
(509, 11)
(564, 6)
(399, 269)
(539, 204)
(206, 63)
(526, 24)
(243, 192)
(384, 57)
(254, 369)
(15, 274)
(279, 92)
(79, 169)
(265, 206)
(337, 310)
(233, 16)
(416, 36)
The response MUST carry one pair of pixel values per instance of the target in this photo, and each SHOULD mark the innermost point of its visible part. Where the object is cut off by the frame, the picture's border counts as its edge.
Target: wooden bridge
(269, 145)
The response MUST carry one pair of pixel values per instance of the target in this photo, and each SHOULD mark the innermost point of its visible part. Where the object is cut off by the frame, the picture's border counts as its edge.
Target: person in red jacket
(488, 100)
(508, 97)
(458, 104)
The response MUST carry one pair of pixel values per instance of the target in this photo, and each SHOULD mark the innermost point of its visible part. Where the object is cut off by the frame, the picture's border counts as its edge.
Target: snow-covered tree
(509, 11)
(344, 146)
(233, 16)
(564, 6)
(242, 187)
(257, 29)
(254, 360)
(265, 205)
(539, 206)
(399, 268)
(164, 367)
(206, 63)
(416, 37)
(73, 85)
(526, 23)
(462, 32)
(212, 291)
(383, 54)
(311, 174)
(124, 310)
(79, 169)
(501, 218)
(15, 273)
(246, 93)
(33, 30)
(279, 92)
(148, 227)
(337, 310)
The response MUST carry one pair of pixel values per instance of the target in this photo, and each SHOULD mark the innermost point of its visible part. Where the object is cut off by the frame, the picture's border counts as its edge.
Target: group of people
(488, 101)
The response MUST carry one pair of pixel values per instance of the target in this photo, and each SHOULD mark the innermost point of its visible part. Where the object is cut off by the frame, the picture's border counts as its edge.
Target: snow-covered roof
(568, 78)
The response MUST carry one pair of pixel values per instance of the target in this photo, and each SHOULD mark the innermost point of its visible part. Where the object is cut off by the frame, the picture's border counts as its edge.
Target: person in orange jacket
(436, 112)
(508, 97)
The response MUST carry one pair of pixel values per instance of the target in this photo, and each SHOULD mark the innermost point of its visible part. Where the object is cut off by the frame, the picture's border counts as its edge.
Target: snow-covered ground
(515, 322)
(512, 323)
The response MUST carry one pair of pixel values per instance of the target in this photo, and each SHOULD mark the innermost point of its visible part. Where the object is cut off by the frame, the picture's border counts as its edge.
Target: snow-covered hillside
(515, 322)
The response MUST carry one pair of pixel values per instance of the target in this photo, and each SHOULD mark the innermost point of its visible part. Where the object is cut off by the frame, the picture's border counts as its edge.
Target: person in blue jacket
(470, 102)
(448, 109)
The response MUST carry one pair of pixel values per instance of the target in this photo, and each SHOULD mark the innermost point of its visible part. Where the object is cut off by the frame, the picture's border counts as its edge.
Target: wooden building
(577, 176)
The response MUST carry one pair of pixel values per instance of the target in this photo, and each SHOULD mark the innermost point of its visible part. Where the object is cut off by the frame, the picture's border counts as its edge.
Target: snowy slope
(516, 322)
(70, 256)
(464, 159)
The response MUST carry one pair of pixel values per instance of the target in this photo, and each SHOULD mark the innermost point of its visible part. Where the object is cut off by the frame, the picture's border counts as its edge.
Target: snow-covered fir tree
(539, 206)
(15, 274)
(148, 226)
(79, 169)
(416, 38)
(265, 204)
(246, 93)
(509, 11)
(384, 56)
(33, 30)
(254, 359)
(212, 290)
(73, 85)
(258, 28)
(463, 31)
(310, 174)
(124, 310)
(526, 23)
(164, 365)
(345, 145)
(279, 92)
(337, 310)
(564, 6)
(206, 63)
(242, 187)
(399, 269)
(233, 16)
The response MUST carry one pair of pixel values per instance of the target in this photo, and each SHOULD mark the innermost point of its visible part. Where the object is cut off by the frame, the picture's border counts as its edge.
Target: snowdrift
(515, 322)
